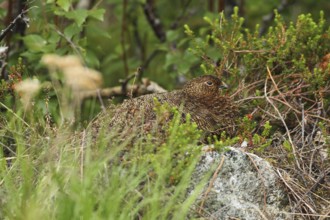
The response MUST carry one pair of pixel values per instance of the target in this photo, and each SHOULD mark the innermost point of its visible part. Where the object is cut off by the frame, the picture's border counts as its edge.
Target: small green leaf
(79, 16)
(183, 67)
(187, 61)
(31, 57)
(172, 35)
(97, 14)
(34, 43)
(256, 139)
(53, 38)
(71, 30)
(91, 59)
(188, 31)
(64, 4)
(287, 146)
(171, 59)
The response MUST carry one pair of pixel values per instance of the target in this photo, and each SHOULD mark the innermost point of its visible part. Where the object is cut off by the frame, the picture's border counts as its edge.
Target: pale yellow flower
(81, 78)
(58, 62)
(27, 89)
(76, 76)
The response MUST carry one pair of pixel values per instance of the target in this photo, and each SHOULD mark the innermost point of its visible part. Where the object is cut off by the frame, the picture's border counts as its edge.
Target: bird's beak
(223, 86)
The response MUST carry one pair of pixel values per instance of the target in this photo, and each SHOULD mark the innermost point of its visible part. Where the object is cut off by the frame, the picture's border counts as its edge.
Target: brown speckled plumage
(200, 97)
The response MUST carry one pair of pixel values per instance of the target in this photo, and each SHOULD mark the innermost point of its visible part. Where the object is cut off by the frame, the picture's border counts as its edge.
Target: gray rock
(246, 187)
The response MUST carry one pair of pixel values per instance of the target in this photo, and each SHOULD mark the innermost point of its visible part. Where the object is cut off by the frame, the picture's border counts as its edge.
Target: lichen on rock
(246, 187)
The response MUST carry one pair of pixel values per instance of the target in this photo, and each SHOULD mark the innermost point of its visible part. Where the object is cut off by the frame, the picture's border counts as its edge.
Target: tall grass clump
(55, 173)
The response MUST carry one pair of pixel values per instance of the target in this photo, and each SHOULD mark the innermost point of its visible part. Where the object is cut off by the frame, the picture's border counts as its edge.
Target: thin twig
(122, 38)
(215, 175)
(154, 21)
(302, 124)
(285, 103)
(253, 51)
(140, 44)
(312, 187)
(11, 111)
(82, 146)
(73, 46)
(326, 215)
(305, 214)
(261, 177)
(266, 20)
(175, 24)
(100, 99)
(136, 75)
(124, 82)
(19, 17)
(294, 192)
(281, 117)
(221, 5)
(148, 60)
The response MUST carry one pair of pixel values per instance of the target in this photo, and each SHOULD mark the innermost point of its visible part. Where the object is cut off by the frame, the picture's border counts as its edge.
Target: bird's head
(204, 87)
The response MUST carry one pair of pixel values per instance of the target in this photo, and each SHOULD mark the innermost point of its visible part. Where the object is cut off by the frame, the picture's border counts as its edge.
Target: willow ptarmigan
(200, 97)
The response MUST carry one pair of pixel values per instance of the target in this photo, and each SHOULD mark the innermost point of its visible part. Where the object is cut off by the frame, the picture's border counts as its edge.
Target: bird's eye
(209, 83)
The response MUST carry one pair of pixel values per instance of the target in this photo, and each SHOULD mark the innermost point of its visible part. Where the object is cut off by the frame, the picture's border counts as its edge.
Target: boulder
(241, 186)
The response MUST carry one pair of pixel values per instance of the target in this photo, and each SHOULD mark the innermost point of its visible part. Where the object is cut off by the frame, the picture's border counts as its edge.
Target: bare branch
(289, 186)
(20, 17)
(281, 117)
(122, 38)
(267, 19)
(221, 5)
(179, 18)
(208, 190)
(146, 87)
(124, 82)
(154, 21)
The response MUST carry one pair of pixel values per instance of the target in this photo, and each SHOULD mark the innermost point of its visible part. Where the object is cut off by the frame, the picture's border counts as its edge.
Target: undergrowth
(50, 175)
